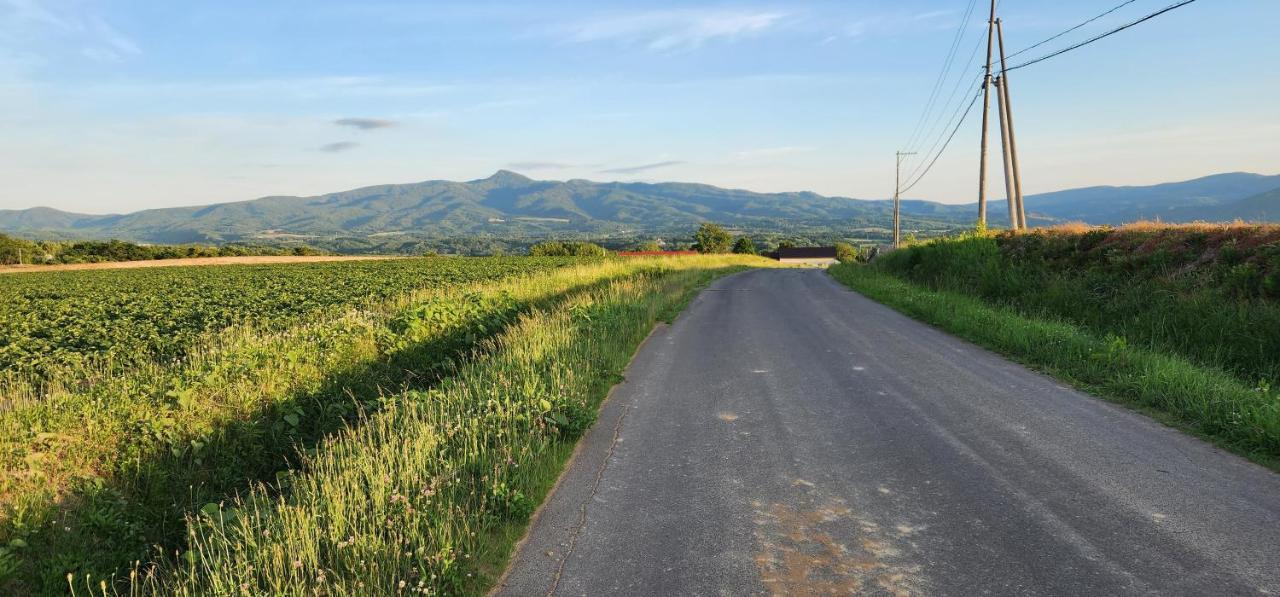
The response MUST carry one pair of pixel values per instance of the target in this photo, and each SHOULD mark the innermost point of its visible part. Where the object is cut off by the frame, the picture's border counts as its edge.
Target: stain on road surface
(819, 546)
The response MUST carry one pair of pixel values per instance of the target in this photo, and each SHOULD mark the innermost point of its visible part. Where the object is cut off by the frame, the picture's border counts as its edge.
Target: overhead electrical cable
(959, 123)
(939, 126)
(943, 75)
(1077, 27)
(1102, 36)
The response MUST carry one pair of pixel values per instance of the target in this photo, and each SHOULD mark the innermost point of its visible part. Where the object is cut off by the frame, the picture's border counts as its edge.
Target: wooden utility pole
(897, 191)
(1020, 209)
(986, 110)
(1008, 168)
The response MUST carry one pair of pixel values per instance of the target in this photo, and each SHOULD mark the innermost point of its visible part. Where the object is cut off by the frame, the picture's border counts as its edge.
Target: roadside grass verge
(428, 494)
(1206, 401)
(98, 477)
(134, 456)
(1208, 293)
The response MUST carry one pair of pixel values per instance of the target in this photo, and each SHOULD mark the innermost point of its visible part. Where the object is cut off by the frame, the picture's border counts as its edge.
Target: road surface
(787, 436)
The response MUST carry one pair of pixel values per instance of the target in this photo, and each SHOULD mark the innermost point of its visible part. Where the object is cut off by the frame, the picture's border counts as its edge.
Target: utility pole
(1008, 168)
(986, 110)
(897, 191)
(1020, 209)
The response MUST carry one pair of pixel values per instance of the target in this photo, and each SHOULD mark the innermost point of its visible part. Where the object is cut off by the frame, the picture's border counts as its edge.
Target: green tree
(744, 246)
(712, 238)
(649, 245)
(787, 244)
(846, 253)
(11, 249)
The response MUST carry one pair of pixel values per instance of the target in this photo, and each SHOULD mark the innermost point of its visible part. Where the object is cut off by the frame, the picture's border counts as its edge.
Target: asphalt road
(788, 436)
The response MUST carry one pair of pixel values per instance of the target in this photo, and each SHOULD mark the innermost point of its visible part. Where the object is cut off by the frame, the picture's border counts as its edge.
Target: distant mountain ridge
(510, 204)
(1210, 198)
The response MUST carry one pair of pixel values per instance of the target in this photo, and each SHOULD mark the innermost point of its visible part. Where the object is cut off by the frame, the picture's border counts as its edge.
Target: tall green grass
(128, 473)
(1210, 294)
(423, 495)
(100, 476)
(1120, 362)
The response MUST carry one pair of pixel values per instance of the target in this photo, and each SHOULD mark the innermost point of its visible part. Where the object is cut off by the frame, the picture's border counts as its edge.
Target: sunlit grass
(455, 403)
(1207, 401)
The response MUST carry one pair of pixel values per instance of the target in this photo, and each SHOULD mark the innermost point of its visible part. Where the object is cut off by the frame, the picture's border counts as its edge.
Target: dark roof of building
(806, 253)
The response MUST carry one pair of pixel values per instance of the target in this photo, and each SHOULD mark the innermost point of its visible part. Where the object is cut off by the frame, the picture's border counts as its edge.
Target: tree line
(710, 238)
(17, 251)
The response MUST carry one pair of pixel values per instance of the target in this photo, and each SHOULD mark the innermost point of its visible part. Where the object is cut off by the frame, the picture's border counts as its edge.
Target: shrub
(846, 253)
(557, 248)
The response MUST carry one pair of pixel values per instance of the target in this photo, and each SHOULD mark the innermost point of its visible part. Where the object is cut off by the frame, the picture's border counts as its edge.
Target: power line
(1045, 41)
(944, 74)
(942, 134)
(1104, 35)
(945, 145)
(940, 124)
(942, 121)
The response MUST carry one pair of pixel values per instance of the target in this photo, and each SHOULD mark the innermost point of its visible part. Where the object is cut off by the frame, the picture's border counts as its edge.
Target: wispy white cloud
(501, 104)
(539, 166)
(29, 24)
(932, 14)
(641, 168)
(300, 88)
(771, 152)
(896, 23)
(107, 44)
(671, 30)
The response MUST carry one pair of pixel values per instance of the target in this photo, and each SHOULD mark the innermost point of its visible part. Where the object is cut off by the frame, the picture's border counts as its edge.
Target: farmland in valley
(144, 410)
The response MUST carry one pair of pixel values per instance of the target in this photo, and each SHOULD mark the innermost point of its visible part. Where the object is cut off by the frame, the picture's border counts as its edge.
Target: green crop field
(55, 325)
(178, 430)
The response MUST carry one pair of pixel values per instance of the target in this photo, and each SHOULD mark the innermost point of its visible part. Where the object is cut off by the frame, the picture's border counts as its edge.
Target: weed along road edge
(786, 435)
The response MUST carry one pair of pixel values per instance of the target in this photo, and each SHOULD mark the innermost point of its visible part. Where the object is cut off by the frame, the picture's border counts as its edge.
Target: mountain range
(508, 204)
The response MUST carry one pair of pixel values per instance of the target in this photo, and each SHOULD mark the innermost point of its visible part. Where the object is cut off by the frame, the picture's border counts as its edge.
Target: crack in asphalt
(582, 517)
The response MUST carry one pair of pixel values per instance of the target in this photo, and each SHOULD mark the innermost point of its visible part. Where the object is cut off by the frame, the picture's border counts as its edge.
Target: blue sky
(111, 106)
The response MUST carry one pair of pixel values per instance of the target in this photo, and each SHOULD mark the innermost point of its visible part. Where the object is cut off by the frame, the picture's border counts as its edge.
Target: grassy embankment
(402, 441)
(1180, 322)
